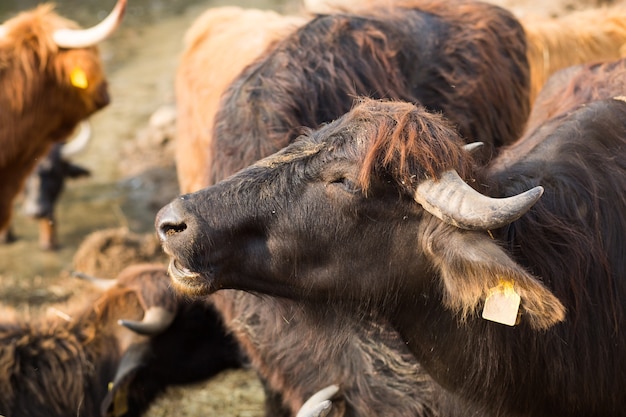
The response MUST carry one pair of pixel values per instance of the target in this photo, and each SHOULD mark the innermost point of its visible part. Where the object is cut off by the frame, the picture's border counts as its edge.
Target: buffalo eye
(346, 184)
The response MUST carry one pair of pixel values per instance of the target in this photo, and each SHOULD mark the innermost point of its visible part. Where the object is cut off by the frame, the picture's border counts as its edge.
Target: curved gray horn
(456, 203)
(155, 320)
(83, 38)
(101, 283)
(319, 404)
(78, 142)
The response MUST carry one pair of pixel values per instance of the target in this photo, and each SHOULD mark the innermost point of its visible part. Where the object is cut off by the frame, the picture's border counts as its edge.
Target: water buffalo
(427, 51)
(51, 78)
(371, 213)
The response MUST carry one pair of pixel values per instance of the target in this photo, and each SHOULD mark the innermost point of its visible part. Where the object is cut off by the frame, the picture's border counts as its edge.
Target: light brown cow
(51, 78)
(219, 45)
(580, 37)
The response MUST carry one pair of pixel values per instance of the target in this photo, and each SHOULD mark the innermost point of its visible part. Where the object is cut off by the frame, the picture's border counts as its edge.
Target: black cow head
(369, 207)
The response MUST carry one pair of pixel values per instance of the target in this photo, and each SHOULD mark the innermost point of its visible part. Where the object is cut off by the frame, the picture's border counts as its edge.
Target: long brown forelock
(31, 46)
(408, 143)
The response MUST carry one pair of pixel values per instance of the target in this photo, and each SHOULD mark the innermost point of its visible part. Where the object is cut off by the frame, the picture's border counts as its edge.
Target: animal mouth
(188, 281)
(181, 273)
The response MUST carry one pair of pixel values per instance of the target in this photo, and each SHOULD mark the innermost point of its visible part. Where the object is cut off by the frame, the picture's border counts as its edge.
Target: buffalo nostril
(170, 229)
(168, 223)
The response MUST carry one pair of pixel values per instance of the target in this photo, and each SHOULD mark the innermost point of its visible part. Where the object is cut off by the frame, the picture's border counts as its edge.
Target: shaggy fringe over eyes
(29, 48)
(409, 143)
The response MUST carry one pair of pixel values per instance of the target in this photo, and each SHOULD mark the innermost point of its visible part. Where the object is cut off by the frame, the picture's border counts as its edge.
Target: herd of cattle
(340, 229)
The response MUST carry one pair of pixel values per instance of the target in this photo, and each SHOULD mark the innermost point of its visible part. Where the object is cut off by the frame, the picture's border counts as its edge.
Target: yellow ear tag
(120, 402)
(78, 78)
(502, 303)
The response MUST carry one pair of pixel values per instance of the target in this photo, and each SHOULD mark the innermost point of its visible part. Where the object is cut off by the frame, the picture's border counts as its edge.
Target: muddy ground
(131, 156)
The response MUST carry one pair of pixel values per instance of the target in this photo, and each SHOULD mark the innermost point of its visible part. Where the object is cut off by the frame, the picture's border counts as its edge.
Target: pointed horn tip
(483, 212)
(474, 146)
(536, 192)
(318, 402)
(155, 321)
(83, 38)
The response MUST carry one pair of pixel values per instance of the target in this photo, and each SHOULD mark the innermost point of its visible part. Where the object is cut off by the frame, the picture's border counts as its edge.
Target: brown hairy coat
(218, 46)
(263, 110)
(584, 36)
(61, 365)
(39, 105)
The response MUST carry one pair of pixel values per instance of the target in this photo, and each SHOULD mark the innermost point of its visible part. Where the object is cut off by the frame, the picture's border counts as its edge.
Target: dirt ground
(136, 177)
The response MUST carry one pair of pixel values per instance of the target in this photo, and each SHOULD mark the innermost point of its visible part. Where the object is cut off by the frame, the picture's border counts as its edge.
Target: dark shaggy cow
(85, 364)
(433, 52)
(51, 78)
(369, 212)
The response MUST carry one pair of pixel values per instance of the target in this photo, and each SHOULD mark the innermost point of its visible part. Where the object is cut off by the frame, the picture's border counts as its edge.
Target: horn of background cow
(101, 283)
(318, 404)
(456, 203)
(83, 38)
(155, 320)
(473, 147)
(78, 142)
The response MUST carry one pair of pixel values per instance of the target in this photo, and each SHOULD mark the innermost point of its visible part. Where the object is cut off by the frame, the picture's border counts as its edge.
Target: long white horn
(78, 142)
(155, 320)
(83, 38)
(456, 203)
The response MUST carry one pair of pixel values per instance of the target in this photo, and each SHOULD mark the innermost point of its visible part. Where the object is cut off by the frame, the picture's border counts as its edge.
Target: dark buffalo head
(369, 206)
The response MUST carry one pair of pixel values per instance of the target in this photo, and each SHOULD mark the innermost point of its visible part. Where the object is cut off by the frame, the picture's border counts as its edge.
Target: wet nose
(169, 222)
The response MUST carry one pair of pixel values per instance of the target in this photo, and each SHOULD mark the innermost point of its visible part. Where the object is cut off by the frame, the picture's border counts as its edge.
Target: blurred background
(130, 153)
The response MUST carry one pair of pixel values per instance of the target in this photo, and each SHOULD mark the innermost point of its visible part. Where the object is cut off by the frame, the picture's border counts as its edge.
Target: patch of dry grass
(234, 393)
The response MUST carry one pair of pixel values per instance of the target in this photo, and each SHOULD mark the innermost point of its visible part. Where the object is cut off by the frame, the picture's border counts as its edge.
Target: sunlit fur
(586, 36)
(218, 46)
(39, 106)
(61, 364)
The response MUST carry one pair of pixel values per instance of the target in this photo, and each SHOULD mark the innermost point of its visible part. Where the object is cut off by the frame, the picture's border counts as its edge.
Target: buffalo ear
(471, 265)
(76, 171)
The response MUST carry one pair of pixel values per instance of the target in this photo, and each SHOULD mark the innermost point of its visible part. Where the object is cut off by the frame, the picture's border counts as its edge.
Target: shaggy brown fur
(219, 45)
(443, 56)
(56, 367)
(434, 53)
(62, 364)
(581, 37)
(39, 106)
